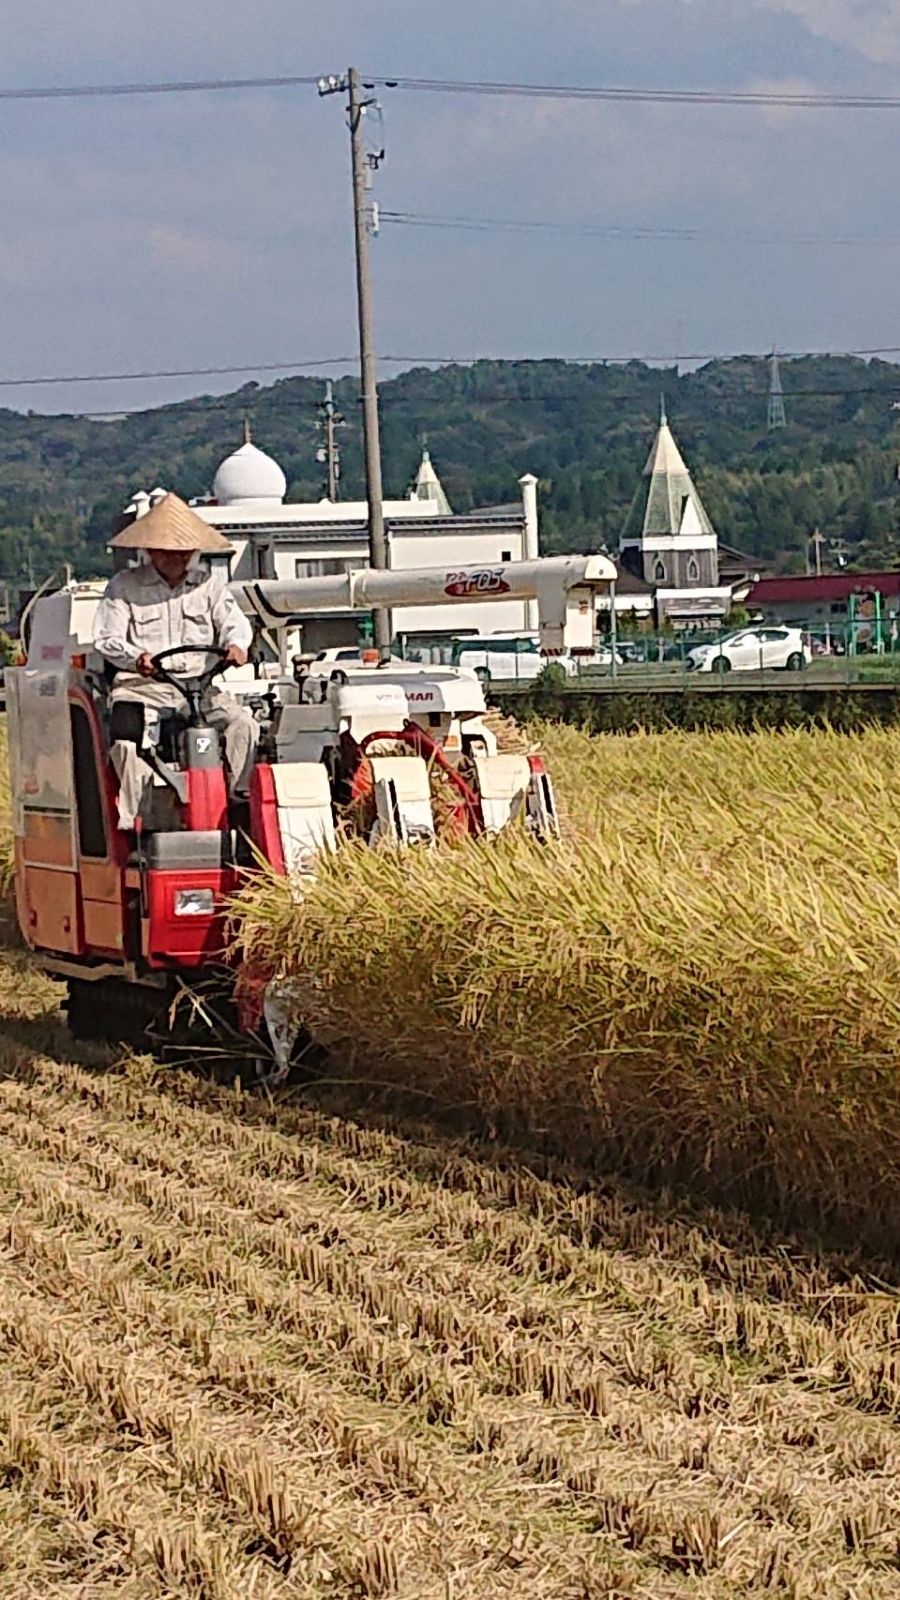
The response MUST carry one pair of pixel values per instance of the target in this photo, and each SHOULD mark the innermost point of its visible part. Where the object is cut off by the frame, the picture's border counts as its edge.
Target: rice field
(318, 1345)
(701, 986)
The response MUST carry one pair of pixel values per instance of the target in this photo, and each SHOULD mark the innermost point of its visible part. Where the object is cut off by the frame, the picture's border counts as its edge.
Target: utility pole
(818, 540)
(361, 166)
(330, 455)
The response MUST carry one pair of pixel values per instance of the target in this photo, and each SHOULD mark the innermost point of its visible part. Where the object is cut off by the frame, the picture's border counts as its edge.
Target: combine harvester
(134, 922)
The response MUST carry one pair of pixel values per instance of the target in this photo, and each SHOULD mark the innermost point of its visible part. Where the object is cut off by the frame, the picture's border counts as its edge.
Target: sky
(215, 229)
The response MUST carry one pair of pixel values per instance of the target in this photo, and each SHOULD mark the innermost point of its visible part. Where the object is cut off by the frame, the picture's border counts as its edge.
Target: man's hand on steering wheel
(234, 657)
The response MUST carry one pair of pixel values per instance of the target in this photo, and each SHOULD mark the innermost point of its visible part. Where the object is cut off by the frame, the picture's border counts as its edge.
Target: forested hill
(584, 430)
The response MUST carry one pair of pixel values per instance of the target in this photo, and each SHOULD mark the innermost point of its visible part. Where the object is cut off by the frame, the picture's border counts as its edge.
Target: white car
(753, 650)
(344, 656)
(506, 658)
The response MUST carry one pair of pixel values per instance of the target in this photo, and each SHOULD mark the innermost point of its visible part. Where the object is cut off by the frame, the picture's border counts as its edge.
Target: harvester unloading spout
(397, 752)
(563, 586)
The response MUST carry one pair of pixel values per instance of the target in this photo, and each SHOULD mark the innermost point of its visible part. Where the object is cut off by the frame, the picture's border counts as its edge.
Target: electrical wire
(806, 100)
(125, 91)
(174, 372)
(417, 219)
(237, 405)
(148, 374)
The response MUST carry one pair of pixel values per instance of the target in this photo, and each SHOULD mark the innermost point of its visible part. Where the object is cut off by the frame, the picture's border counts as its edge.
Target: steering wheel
(193, 688)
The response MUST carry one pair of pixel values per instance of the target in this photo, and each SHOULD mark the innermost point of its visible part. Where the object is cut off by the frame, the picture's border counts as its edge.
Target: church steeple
(428, 485)
(666, 502)
(668, 538)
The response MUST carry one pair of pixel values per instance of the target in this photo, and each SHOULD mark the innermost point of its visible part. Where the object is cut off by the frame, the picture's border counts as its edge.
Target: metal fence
(758, 655)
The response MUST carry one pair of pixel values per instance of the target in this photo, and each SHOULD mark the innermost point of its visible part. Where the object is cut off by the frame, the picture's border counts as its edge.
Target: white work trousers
(220, 711)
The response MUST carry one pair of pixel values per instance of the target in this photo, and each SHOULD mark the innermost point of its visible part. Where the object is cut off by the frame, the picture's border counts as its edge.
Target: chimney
(528, 484)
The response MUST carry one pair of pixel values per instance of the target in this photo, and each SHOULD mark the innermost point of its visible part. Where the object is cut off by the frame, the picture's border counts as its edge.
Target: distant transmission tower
(777, 416)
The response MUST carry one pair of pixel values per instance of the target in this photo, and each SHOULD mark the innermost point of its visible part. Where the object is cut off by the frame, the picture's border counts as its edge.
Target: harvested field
(311, 1348)
(268, 1350)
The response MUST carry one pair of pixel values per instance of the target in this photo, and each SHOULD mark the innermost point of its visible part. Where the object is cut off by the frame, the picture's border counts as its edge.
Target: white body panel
(305, 819)
(39, 743)
(563, 587)
(503, 782)
(402, 799)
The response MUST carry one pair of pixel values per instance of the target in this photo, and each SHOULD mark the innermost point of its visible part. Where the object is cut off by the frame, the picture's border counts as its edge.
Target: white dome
(249, 474)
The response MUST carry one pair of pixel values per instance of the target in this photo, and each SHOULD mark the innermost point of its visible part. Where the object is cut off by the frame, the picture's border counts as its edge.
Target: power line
(784, 99)
(125, 91)
(445, 360)
(416, 219)
(176, 372)
(236, 405)
(645, 360)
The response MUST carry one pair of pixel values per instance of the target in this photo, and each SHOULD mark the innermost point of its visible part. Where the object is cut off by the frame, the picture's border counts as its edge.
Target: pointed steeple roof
(666, 501)
(428, 485)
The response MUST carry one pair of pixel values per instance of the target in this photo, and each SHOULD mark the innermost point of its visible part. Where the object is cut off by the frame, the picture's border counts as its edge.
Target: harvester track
(267, 1349)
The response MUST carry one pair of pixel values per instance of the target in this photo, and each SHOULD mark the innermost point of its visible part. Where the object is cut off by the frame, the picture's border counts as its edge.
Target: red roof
(831, 586)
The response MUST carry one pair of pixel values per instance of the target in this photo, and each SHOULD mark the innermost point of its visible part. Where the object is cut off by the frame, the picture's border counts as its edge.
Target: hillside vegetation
(585, 430)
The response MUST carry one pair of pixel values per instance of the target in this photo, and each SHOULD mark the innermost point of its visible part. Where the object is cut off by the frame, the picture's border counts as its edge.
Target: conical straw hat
(171, 525)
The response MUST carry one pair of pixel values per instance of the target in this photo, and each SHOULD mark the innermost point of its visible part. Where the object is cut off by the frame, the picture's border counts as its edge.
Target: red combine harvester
(132, 921)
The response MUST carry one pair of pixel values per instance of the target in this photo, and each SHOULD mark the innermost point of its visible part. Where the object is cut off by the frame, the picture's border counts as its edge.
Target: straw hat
(171, 525)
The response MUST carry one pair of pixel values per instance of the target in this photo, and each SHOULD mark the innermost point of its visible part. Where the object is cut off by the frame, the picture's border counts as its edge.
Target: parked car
(632, 652)
(345, 656)
(752, 650)
(507, 657)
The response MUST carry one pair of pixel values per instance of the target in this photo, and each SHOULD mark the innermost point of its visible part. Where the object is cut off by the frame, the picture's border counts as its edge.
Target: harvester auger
(135, 921)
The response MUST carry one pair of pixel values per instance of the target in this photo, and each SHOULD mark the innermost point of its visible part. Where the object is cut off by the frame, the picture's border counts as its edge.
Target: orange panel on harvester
(48, 838)
(52, 920)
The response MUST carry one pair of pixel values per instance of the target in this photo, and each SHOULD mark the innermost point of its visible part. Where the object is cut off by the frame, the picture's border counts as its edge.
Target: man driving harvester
(170, 600)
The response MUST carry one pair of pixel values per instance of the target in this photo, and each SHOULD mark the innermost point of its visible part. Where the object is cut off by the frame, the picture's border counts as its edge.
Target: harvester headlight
(194, 902)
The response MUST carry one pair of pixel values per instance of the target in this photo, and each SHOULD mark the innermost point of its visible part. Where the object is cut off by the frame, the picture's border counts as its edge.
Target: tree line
(585, 430)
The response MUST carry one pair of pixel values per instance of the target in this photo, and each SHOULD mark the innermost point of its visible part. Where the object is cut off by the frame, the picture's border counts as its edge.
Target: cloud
(187, 250)
(870, 28)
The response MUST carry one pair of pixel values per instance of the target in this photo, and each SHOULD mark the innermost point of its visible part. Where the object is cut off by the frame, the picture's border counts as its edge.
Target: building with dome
(249, 478)
(273, 538)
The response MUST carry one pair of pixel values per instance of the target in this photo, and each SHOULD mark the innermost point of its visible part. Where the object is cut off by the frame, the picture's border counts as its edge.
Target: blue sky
(206, 230)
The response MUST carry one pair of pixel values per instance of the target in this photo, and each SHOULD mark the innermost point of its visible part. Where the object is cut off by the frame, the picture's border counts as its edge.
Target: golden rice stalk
(702, 984)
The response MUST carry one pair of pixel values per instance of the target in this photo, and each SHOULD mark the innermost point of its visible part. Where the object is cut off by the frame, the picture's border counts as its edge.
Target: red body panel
(185, 941)
(264, 829)
(207, 803)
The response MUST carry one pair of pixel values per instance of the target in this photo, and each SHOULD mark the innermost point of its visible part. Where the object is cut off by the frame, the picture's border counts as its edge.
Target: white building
(274, 539)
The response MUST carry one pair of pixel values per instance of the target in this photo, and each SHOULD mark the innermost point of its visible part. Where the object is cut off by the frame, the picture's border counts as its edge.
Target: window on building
(839, 609)
(327, 566)
(693, 571)
(506, 555)
(659, 572)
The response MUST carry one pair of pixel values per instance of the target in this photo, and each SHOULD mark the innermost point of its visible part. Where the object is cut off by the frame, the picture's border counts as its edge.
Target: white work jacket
(141, 613)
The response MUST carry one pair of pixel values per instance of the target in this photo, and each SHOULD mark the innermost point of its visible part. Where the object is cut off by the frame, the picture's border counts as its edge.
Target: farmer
(171, 599)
